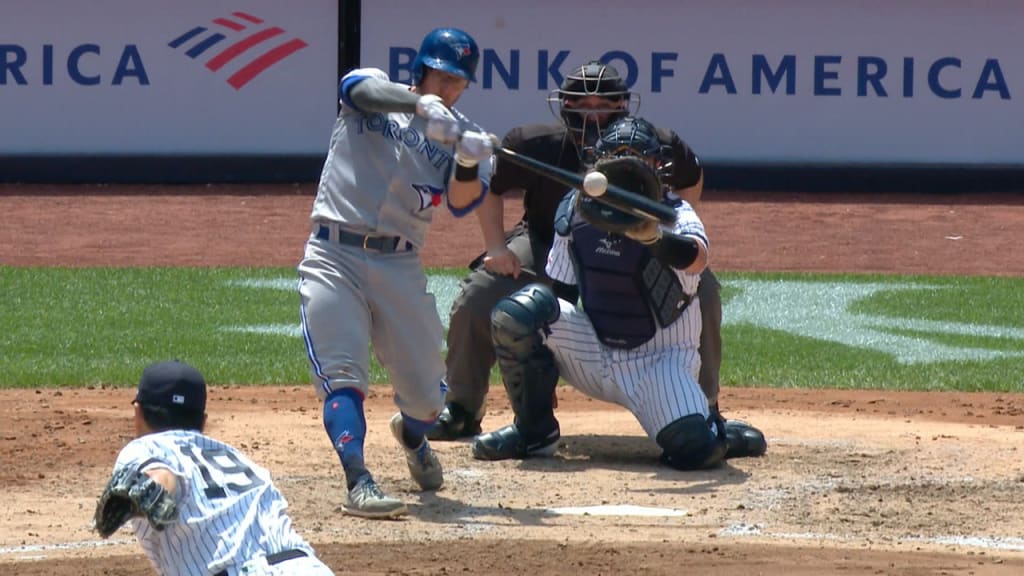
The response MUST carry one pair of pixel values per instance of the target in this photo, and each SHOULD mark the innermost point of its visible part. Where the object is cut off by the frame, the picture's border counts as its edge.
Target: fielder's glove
(132, 493)
(633, 174)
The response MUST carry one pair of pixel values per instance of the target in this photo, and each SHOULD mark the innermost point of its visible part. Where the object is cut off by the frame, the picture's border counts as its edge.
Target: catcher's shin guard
(527, 365)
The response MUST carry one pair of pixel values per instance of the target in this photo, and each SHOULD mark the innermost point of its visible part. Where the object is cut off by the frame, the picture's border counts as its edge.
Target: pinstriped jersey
(681, 332)
(382, 174)
(229, 512)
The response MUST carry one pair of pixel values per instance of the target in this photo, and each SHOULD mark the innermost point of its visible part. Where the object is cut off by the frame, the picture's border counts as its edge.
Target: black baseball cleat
(454, 423)
(743, 440)
(507, 443)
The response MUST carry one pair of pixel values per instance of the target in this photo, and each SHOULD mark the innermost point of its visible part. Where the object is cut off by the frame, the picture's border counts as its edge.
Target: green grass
(965, 313)
(93, 326)
(81, 327)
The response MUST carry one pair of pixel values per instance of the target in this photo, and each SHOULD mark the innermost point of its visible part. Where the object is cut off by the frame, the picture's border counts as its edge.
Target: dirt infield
(855, 482)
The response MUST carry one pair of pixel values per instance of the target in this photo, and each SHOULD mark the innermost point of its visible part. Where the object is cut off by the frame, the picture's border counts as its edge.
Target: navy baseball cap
(174, 386)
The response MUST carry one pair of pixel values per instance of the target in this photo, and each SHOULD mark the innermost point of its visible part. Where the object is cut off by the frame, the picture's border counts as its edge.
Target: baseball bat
(615, 196)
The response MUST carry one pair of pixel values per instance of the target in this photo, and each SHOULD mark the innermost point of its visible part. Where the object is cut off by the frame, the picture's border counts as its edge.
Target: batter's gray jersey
(382, 174)
(229, 512)
(656, 381)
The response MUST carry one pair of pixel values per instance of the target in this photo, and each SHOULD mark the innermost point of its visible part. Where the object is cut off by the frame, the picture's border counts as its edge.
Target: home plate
(615, 510)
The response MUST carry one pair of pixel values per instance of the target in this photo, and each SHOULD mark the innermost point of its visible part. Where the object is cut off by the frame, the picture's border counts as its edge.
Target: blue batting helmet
(449, 50)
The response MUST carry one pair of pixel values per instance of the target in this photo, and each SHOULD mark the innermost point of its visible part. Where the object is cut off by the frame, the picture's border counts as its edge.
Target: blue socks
(345, 423)
(414, 431)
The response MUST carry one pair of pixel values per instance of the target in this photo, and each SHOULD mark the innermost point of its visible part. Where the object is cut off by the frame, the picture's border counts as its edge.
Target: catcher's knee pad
(517, 319)
(689, 444)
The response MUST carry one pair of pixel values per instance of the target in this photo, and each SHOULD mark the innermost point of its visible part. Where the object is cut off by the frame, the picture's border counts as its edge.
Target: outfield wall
(792, 93)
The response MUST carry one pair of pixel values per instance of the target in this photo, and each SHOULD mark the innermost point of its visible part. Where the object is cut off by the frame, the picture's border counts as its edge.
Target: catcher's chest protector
(625, 291)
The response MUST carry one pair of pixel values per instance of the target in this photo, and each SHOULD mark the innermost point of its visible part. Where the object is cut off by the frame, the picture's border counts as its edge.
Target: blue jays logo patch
(430, 196)
(462, 50)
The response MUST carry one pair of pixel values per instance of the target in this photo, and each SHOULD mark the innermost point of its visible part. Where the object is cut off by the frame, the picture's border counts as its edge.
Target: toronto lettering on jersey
(946, 77)
(412, 139)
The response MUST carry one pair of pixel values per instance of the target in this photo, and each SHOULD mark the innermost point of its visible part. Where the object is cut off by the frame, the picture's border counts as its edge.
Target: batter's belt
(335, 233)
(273, 559)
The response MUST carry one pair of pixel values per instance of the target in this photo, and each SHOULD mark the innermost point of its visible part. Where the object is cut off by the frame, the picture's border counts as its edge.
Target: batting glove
(473, 147)
(441, 123)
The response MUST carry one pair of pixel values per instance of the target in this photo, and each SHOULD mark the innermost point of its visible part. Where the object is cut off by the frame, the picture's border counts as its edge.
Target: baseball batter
(633, 341)
(397, 152)
(198, 506)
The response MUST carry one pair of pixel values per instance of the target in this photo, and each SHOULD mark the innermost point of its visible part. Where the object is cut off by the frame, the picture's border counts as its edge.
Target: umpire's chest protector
(626, 292)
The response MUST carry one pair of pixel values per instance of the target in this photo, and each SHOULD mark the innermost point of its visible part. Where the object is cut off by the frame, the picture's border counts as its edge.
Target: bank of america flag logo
(242, 39)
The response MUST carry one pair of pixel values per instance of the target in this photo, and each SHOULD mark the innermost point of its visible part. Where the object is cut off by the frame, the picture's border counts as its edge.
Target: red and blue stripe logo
(242, 37)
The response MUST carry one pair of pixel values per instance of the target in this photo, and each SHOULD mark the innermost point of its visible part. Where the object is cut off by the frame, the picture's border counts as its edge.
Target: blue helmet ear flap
(449, 50)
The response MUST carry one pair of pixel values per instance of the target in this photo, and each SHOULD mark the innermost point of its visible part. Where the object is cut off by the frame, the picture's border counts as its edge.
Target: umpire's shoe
(366, 500)
(507, 443)
(424, 466)
(454, 423)
(743, 440)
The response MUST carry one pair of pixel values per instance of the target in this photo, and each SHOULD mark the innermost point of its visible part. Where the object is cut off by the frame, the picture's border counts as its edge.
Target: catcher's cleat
(507, 443)
(424, 466)
(454, 423)
(743, 440)
(366, 500)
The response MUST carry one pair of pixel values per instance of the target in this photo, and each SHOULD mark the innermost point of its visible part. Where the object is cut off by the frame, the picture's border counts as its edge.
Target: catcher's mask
(591, 97)
(631, 155)
(449, 50)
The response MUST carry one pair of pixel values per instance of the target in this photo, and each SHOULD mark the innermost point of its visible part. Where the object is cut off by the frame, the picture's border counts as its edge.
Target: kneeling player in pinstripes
(197, 505)
(634, 339)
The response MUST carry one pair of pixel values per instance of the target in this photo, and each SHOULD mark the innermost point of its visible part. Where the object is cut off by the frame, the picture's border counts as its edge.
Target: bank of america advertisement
(787, 81)
(167, 77)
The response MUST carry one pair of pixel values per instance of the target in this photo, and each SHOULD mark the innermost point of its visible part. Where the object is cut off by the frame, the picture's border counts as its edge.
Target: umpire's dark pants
(710, 293)
(471, 352)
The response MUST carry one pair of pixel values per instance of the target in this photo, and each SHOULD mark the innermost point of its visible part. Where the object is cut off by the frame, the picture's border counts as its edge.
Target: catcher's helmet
(630, 135)
(449, 50)
(634, 136)
(591, 79)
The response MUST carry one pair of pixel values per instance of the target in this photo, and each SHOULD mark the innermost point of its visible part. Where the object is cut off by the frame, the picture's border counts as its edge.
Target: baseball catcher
(634, 339)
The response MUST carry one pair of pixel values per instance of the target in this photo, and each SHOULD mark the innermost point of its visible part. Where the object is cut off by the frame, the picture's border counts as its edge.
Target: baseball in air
(595, 183)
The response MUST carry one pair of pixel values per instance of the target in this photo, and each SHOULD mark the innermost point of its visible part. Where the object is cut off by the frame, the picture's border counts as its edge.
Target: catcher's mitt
(132, 493)
(627, 172)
